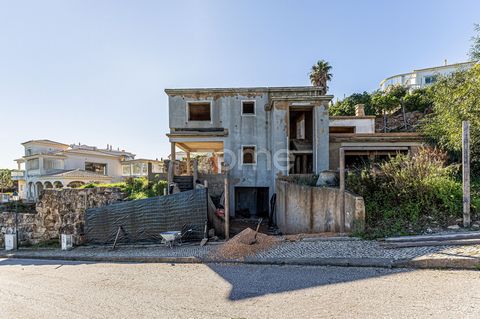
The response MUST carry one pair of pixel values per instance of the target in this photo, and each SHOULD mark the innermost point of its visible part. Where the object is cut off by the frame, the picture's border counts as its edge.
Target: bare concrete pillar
(342, 189)
(320, 138)
(227, 207)
(173, 154)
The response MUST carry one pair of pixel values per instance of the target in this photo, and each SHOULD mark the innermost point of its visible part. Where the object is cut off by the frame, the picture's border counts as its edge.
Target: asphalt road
(55, 289)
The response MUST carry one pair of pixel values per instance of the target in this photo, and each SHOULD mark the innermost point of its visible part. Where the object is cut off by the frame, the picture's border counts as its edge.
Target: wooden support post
(170, 174)
(342, 189)
(171, 165)
(189, 168)
(195, 172)
(117, 236)
(466, 172)
(227, 207)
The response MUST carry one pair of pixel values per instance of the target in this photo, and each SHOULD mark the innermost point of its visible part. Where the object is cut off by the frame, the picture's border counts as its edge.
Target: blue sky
(94, 71)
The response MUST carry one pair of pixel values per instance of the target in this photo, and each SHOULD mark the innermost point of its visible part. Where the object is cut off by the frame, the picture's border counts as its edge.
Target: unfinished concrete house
(253, 133)
(256, 135)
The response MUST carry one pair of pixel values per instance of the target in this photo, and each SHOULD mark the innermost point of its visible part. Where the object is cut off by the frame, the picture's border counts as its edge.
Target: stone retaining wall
(27, 223)
(308, 209)
(57, 212)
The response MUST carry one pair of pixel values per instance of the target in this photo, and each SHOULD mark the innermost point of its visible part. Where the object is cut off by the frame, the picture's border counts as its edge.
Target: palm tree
(320, 75)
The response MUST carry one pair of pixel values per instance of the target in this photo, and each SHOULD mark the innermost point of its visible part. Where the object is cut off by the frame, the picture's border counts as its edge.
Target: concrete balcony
(18, 174)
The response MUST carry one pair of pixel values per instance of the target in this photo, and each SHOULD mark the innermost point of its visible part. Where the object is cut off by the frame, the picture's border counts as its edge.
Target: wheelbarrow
(170, 238)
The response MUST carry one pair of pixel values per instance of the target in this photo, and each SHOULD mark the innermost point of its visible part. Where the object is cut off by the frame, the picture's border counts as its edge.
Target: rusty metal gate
(143, 220)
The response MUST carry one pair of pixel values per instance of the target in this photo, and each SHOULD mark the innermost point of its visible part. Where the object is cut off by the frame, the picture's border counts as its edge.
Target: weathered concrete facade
(228, 130)
(307, 209)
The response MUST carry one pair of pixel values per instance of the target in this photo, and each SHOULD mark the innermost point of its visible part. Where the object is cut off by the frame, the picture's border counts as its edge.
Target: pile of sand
(239, 246)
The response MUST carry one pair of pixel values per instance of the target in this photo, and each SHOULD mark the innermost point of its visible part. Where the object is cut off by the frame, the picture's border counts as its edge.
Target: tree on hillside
(320, 75)
(384, 103)
(5, 180)
(347, 105)
(418, 100)
(475, 48)
(456, 98)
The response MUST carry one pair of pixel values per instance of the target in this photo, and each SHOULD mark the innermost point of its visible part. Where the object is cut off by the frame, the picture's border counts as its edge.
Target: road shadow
(249, 281)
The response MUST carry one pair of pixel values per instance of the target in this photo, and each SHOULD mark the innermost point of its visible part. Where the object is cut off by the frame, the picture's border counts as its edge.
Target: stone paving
(344, 249)
(353, 249)
(133, 251)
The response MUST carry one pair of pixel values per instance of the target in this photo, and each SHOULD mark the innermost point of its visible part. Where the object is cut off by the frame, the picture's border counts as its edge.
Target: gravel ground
(56, 289)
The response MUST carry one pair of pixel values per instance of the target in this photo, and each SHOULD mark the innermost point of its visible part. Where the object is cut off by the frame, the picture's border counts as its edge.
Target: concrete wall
(362, 125)
(75, 161)
(307, 209)
(39, 147)
(216, 183)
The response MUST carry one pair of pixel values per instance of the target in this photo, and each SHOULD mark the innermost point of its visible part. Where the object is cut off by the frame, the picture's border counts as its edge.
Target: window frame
(254, 107)
(431, 79)
(129, 169)
(187, 106)
(105, 173)
(254, 154)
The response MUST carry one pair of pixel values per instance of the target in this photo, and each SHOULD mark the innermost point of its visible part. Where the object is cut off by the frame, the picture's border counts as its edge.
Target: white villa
(423, 77)
(50, 164)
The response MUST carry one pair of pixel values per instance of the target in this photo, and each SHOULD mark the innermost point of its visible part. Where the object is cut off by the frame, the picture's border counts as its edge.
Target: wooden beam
(466, 172)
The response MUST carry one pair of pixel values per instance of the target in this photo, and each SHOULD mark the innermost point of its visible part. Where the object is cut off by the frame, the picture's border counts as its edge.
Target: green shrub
(136, 188)
(93, 185)
(407, 194)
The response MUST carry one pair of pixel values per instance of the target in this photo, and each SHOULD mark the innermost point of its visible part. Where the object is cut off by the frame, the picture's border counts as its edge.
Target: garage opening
(251, 202)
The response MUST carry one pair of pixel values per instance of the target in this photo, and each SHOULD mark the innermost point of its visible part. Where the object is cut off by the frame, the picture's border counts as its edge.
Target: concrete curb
(443, 263)
(418, 263)
(125, 259)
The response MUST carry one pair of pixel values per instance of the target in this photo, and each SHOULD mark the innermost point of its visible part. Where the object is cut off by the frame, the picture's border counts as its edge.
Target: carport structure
(199, 142)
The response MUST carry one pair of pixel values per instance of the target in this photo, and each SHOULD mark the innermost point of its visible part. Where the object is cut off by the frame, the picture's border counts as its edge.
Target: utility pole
(466, 172)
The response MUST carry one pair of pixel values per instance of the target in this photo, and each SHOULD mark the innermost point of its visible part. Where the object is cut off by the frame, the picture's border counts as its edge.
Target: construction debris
(240, 245)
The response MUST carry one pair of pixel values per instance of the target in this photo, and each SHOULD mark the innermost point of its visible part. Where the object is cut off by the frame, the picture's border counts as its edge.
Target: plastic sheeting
(143, 220)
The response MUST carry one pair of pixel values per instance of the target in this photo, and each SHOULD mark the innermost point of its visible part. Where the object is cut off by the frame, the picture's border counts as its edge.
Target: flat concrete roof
(245, 89)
